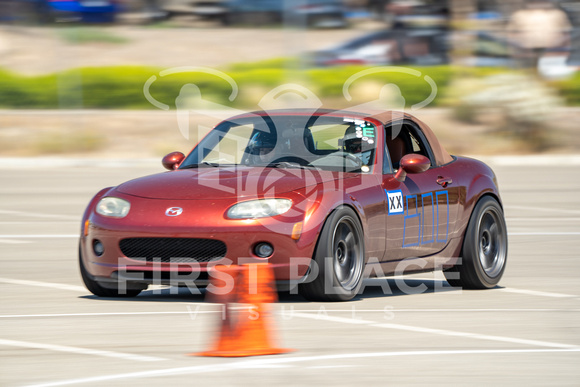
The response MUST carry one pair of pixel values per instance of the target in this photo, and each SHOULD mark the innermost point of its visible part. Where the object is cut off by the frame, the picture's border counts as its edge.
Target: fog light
(263, 250)
(98, 247)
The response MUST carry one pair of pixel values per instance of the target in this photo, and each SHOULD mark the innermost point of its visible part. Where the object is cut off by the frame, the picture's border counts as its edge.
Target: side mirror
(172, 160)
(412, 163)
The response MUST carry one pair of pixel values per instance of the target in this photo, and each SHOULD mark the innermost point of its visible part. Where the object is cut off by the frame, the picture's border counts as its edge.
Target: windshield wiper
(288, 164)
(189, 166)
(203, 163)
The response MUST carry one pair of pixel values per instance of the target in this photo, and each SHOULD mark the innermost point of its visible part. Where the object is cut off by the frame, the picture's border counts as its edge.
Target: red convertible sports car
(325, 197)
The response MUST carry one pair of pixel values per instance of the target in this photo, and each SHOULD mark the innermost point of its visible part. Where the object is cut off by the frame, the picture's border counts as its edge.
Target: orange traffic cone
(247, 332)
(225, 293)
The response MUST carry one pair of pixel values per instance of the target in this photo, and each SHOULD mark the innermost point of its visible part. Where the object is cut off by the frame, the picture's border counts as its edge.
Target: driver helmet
(351, 142)
(261, 143)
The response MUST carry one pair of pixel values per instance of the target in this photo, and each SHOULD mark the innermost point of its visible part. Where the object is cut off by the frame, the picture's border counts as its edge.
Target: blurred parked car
(419, 47)
(493, 51)
(574, 57)
(428, 46)
(88, 11)
(312, 13)
(208, 9)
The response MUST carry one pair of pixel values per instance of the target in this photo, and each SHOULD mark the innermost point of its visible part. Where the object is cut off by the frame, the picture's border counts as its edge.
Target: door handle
(444, 181)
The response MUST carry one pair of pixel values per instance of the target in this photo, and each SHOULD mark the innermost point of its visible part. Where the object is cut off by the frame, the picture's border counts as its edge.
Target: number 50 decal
(427, 218)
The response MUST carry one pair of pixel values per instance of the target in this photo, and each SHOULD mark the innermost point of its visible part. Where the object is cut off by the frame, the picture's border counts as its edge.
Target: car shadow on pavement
(386, 287)
(168, 294)
(371, 288)
(400, 286)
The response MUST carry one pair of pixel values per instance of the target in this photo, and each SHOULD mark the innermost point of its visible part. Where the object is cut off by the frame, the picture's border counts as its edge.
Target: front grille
(173, 250)
(166, 276)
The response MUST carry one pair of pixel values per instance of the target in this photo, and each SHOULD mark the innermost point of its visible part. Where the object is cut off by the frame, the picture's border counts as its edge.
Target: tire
(104, 291)
(484, 248)
(340, 258)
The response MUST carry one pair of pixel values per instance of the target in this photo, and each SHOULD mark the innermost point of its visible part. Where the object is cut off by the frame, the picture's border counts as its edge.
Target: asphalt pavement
(53, 332)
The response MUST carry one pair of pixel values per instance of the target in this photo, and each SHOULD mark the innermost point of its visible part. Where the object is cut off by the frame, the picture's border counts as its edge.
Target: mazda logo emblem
(173, 211)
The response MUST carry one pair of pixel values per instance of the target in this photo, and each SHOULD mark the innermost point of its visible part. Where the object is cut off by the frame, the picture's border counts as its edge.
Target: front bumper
(290, 259)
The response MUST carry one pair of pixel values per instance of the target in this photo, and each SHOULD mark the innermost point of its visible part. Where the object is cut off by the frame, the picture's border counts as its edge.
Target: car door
(421, 209)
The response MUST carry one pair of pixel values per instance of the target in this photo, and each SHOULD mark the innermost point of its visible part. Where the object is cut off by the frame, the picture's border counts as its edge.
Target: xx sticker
(395, 202)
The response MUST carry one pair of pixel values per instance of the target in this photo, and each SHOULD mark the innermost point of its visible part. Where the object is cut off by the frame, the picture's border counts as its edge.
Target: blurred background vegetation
(121, 87)
(72, 73)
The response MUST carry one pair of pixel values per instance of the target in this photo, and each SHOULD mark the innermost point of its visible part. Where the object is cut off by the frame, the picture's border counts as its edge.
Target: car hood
(221, 183)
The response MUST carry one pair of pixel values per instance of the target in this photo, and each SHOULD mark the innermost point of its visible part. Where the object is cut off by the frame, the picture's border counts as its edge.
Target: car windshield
(335, 143)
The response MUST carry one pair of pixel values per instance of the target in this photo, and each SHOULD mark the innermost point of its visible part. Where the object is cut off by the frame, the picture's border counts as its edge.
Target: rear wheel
(339, 258)
(484, 248)
(105, 290)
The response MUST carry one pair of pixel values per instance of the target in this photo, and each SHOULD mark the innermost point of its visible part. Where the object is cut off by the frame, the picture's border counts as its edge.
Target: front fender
(319, 212)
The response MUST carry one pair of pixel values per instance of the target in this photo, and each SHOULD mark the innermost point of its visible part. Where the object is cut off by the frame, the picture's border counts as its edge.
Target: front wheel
(484, 248)
(99, 289)
(337, 267)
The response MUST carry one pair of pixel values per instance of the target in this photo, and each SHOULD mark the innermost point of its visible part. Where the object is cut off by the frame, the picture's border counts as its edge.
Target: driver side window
(402, 139)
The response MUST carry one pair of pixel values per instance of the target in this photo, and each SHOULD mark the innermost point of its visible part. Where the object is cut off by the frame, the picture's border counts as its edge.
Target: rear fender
(481, 185)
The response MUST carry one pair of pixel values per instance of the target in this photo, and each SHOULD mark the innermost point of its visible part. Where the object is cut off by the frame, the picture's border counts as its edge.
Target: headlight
(259, 208)
(114, 207)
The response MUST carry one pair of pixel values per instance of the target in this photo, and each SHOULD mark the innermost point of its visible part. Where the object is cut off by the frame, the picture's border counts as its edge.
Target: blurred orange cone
(248, 332)
(224, 293)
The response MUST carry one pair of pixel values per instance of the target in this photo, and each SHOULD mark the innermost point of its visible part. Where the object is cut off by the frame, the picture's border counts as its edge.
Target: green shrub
(121, 87)
(28, 92)
(570, 89)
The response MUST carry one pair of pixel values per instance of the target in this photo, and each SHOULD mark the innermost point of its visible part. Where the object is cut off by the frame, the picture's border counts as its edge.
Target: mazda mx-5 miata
(325, 197)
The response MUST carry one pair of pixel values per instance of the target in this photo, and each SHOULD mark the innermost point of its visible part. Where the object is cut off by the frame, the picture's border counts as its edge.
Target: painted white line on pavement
(264, 362)
(81, 351)
(533, 160)
(443, 282)
(107, 314)
(263, 366)
(52, 285)
(534, 293)
(546, 219)
(288, 314)
(443, 332)
(13, 241)
(82, 289)
(321, 315)
(42, 236)
(37, 215)
(544, 233)
(42, 222)
(543, 209)
(386, 309)
(331, 366)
